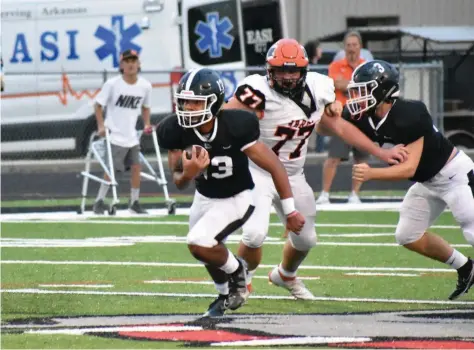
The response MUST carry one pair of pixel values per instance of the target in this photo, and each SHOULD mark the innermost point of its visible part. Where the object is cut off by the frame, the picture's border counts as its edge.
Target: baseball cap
(128, 54)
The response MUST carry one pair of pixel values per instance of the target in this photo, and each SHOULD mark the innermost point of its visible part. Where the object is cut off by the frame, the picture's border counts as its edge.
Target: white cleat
(354, 199)
(295, 286)
(323, 199)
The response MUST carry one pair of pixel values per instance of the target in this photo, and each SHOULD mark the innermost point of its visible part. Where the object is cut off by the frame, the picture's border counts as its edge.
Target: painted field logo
(444, 329)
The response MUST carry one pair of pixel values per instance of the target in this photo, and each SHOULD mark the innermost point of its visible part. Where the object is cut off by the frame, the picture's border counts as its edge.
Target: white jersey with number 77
(285, 124)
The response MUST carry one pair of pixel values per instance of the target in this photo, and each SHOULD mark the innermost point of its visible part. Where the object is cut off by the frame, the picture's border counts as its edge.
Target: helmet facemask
(361, 97)
(193, 118)
(288, 87)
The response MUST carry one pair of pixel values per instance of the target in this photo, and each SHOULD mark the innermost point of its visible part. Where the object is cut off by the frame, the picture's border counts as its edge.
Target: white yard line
(185, 223)
(198, 265)
(76, 285)
(252, 296)
(381, 274)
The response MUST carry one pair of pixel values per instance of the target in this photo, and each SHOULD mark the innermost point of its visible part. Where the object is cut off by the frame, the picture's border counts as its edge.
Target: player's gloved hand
(334, 109)
(148, 129)
(101, 130)
(395, 155)
(194, 166)
(361, 172)
(294, 222)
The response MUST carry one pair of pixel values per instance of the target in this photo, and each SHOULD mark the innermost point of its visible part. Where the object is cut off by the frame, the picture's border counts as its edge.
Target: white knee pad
(253, 239)
(306, 239)
(405, 232)
(199, 239)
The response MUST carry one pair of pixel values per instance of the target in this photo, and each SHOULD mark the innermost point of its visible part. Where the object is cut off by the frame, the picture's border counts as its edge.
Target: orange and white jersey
(286, 125)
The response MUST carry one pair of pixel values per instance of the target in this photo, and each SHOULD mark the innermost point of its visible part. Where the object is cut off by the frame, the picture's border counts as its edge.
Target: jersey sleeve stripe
(248, 145)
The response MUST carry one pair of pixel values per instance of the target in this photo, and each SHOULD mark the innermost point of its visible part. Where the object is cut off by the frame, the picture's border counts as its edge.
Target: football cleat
(294, 285)
(218, 307)
(465, 280)
(238, 286)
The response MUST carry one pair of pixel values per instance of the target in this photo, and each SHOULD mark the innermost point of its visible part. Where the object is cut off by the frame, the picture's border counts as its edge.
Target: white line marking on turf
(198, 265)
(212, 283)
(252, 296)
(76, 285)
(293, 341)
(55, 220)
(80, 331)
(121, 241)
(381, 274)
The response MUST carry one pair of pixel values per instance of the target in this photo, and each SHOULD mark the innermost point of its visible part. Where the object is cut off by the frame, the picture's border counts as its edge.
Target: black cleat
(217, 307)
(465, 279)
(136, 208)
(238, 286)
(99, 207)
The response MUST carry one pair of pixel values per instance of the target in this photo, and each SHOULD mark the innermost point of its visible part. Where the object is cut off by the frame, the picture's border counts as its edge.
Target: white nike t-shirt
(124, 104)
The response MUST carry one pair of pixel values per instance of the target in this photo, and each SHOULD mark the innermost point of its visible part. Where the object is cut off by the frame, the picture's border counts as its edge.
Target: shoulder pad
(169, 133)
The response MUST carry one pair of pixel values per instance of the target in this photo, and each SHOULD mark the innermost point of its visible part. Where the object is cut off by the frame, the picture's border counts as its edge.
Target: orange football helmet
(284, 59)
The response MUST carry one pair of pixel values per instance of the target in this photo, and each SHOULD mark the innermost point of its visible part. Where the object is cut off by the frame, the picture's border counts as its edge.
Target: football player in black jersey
(223, 199)
(444, 175)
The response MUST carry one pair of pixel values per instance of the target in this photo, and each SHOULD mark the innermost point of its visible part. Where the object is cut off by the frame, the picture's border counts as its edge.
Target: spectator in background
(364, 53)
(314, 51)
(341, 72)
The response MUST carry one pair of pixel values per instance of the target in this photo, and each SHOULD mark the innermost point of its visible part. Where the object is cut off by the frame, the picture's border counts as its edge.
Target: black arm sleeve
(168, 133)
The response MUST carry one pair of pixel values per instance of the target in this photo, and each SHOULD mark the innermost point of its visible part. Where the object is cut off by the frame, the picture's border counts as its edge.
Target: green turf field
(141, 266)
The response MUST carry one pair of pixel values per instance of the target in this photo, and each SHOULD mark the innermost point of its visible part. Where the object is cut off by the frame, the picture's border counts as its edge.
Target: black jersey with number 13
(228, 172)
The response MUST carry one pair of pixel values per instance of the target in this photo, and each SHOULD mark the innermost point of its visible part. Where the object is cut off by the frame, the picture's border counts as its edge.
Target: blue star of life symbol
(214, 34)
(117, 39)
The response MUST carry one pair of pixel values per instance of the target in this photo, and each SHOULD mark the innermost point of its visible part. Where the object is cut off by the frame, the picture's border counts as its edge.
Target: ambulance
(57, 54)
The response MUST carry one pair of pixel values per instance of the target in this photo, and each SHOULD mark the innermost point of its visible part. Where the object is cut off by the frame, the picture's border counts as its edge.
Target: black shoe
(465, 279)
(99, 207)
(217, 307)
(238, 286)
(137, 208)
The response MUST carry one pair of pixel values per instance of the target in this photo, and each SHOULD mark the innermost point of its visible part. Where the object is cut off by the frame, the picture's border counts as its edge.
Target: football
(179, 164)
(189, 151)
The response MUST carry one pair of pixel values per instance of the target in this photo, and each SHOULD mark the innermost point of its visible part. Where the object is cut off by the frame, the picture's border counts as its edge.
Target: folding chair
(99, 148)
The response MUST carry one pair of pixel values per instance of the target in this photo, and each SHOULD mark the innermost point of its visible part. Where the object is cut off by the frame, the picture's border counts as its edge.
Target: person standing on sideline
(124, 96)
(341, 71)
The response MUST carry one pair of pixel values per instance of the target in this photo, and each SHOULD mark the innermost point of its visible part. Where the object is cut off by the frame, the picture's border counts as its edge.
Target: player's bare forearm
(402, 171)
(146, 115)
(99, 114)
(351, 135)
(179, 179)
(395, 172)
(266, 159)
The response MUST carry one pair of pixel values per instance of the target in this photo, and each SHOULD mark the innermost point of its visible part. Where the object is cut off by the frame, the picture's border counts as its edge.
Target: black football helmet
(199, 84)
(372, 83)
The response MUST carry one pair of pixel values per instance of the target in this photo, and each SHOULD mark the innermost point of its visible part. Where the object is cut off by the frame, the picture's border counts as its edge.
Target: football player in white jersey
(290, 102)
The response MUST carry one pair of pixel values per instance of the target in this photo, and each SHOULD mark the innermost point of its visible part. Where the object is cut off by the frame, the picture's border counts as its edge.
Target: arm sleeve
(245, 129)
(168, 133)
(104, 94)
(147, 100)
